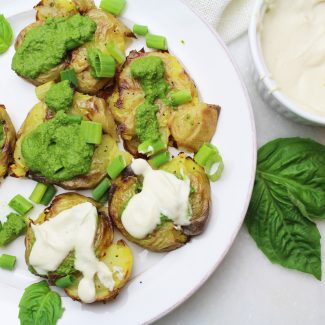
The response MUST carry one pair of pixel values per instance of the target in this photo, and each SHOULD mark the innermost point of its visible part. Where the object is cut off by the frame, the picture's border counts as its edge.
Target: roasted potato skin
(165, 237)
(111, 254)
(92, 108)
(128, 95)
(7, 148)
(54, 8)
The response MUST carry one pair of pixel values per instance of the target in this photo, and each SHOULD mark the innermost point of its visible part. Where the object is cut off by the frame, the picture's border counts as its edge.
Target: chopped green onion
(49, 194)
(103, 66)
(181, 97)
(140, 29)
(160, 159)
(115, 7)
(7, 262)
(65, 282)
(41, 90)
(115, 52)
(101, 189)
(104, 198)
(75, 118)
(38, 192)
(20, 204)
(92, 132)
(156, 42)
(209, 158)
(151, 148)
(70, 75)
(116, 167)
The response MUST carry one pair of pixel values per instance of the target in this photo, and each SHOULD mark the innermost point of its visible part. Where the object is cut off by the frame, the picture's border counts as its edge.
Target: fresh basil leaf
(6, 34)
(289, 191)
(39, 305)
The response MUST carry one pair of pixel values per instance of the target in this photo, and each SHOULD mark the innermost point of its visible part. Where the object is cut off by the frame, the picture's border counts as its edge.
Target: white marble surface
(247, 288)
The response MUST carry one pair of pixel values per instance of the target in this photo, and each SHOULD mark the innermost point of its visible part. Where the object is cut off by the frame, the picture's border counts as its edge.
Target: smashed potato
(7, 141)
(113, 255)
(165, 237)
(188, 126)
(93, 109)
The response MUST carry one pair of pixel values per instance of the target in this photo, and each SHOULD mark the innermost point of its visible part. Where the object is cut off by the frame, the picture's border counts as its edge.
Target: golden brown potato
(92, 108)
(192, 126)
(7, 141)
(61, 8)
(113, 255)
(109, 28)
(166, 237)
(128, 95)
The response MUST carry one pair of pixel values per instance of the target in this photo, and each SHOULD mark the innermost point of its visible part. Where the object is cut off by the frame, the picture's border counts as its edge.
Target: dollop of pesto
(14, 226)
(57, 150)
(46, 45)
(150, 72)
(67, 266)
(2, 134)
(60, 96)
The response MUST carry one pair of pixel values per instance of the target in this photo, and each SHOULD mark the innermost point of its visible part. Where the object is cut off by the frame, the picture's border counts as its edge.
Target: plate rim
(17, 10)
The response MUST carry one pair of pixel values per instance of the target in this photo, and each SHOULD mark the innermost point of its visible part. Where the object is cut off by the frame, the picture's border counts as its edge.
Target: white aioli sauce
(72, 229)
(293, 44)
(162, 193)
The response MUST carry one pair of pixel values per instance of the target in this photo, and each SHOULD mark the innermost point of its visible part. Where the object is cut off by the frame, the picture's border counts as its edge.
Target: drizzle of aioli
(293, 44)
(73, 229)
(162, 193)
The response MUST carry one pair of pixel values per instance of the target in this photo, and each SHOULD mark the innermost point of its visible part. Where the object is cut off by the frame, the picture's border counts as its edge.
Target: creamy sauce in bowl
(73, 229)
(162, 194)
(293, 45)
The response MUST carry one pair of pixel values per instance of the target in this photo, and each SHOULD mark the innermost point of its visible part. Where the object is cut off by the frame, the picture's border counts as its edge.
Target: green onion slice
(41, 90)
(99, 191)
(156, 42)
(92, 132)
(7, 262)
(181, 97)
(103, 66)
(115, 52)
(38, 192)
(151, 148)
(65, 282)
(116, 167)
(75, 118)
(115, 7)
(160, 159)
(48, 195)
(20, 204)
(70, 75)
(209, 158)
(140, 29)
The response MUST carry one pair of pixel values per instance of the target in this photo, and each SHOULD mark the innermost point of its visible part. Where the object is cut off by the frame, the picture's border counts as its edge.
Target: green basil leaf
(6, 34)
(39, 305)
(289, 191)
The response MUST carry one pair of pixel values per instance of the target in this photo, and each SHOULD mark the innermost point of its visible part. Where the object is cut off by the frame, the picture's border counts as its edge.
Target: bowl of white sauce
(287, 40)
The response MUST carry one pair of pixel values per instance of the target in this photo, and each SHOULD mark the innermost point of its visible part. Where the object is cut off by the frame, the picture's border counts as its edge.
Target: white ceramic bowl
(266, 86)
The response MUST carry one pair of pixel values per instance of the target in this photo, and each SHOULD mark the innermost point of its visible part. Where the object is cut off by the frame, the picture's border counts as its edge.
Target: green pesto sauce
(45, 46)
(57, 150)
(12, 228)
(2, 134)
(150, 72)
(60, 96)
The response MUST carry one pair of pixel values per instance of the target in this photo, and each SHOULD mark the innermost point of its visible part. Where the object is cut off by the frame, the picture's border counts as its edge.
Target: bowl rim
(265, 74)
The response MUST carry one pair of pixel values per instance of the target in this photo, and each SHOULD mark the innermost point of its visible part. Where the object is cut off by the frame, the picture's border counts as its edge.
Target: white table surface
(247, 288)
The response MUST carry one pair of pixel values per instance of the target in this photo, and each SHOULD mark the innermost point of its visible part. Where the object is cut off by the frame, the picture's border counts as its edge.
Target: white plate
(160, 281)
